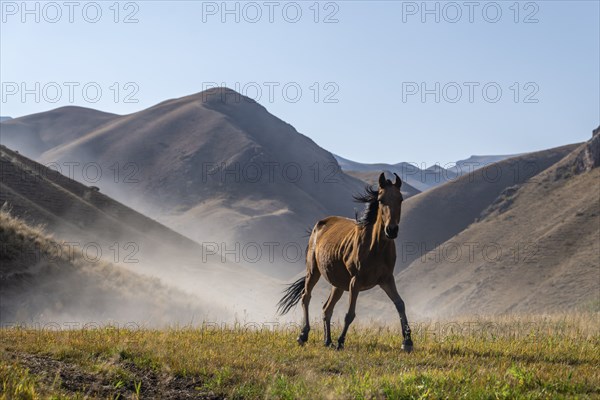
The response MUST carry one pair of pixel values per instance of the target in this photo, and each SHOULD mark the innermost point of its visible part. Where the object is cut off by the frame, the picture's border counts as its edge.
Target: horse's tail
(291, 297)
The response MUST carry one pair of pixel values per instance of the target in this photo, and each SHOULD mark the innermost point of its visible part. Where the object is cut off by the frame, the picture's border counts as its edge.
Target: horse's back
(335, 221)
(332, 239)
(332, 231)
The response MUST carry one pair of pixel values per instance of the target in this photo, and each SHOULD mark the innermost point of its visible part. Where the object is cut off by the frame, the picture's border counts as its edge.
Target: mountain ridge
(194, 159)
(544, 236)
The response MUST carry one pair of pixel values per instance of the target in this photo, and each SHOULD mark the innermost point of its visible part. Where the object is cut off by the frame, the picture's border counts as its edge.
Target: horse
(353, 255)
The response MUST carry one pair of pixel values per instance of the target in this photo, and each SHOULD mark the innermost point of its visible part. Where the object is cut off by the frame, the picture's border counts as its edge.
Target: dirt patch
(56, 375)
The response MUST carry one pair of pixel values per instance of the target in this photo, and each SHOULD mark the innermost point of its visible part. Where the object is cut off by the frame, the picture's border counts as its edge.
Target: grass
(518, 357)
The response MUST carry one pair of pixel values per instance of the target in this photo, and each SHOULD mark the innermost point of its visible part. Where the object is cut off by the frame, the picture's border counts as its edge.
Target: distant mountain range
(419, 179)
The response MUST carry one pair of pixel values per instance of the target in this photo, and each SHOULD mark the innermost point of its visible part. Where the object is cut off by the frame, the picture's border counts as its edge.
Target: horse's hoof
(407, 348)
(300, 341)
(328, 344)
(340, 346)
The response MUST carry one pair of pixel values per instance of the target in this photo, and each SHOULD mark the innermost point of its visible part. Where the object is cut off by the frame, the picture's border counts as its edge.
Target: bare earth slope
(42, 281)
(71, 210)
(432, 217)
(536, 249)
(105, 229)
(215, 166)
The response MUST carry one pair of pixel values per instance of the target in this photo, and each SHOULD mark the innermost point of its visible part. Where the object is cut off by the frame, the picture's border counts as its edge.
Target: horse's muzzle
(391, 232)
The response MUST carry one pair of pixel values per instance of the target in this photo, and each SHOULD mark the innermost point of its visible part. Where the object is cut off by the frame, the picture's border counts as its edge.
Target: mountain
(33, 134)
(432, 217)
(421, 179)
(106, 231)
(534, 249)
(410, 173)
(215, 166)
(73, 211)
(2, 119)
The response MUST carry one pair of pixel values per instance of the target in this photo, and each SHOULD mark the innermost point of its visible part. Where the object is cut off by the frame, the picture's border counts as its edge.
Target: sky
(378, 81)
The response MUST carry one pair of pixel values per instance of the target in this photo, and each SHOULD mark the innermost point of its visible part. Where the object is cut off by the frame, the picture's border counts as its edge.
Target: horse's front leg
(354, 289)
(334, 296)
(389, 287)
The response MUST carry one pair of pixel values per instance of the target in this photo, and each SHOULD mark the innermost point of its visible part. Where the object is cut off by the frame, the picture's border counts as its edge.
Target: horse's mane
(369, 198)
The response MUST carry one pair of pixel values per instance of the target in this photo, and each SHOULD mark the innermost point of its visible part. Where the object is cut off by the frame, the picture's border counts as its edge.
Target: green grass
(552, 357)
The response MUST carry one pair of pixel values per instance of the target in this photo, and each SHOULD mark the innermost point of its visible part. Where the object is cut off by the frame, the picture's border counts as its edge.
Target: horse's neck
(377, 238)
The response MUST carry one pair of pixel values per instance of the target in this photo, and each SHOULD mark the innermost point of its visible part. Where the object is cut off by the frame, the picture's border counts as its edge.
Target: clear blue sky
(374, 58)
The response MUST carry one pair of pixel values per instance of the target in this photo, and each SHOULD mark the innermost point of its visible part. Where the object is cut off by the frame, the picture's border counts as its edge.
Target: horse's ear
(382, 180)
(398, 182)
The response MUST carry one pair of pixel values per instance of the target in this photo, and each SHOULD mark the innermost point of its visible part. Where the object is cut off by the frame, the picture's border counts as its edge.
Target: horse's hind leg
(312, 277)
(389, 287)
(334, 296)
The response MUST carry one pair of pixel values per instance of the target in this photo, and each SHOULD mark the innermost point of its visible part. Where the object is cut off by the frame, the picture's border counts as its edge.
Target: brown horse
(354, 256)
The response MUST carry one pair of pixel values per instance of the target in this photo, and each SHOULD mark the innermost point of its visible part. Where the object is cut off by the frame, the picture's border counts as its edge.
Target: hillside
(475, 162)
(215, 166)
(106, 229)
(73, 211)
(431, 218)
(535, 249)
(45, 281)
(33, 134)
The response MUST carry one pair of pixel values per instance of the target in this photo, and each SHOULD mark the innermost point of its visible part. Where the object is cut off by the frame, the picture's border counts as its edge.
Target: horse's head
(390, 204)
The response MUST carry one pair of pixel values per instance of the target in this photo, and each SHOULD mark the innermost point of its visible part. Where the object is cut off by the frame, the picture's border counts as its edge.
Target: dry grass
(43, 279)
(510, 357)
